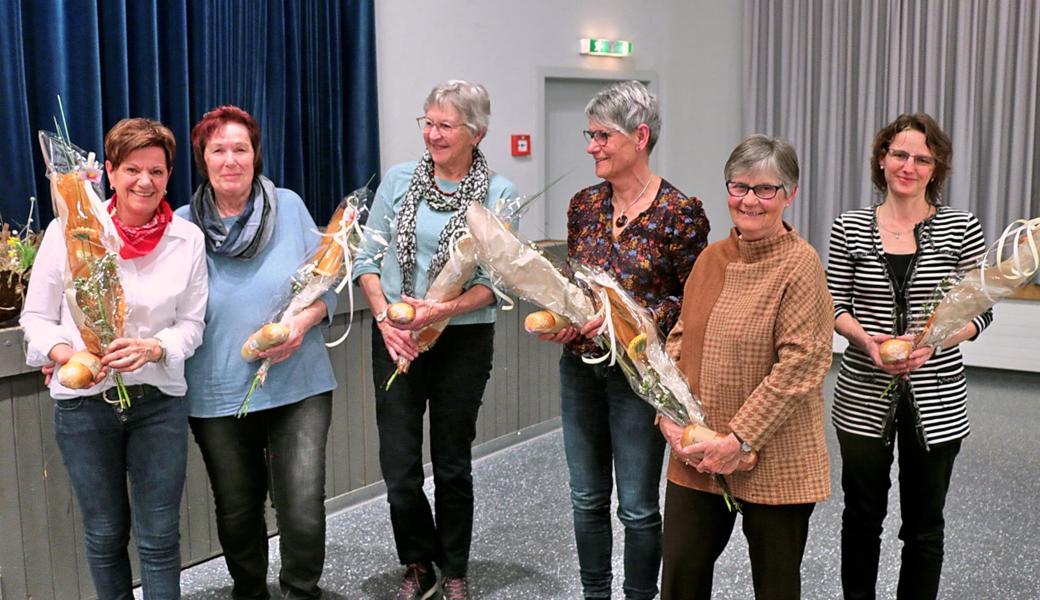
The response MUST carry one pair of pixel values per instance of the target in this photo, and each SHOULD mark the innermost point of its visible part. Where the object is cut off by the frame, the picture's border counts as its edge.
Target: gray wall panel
(12, 558)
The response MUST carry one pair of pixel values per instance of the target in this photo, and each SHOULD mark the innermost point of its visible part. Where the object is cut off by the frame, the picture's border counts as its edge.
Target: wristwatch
(744, 446)
(381, 316)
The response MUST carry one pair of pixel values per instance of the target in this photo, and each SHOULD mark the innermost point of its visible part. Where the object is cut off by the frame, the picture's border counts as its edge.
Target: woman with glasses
(885, 261)
(421, 208)
(642, 230)
(754, 342)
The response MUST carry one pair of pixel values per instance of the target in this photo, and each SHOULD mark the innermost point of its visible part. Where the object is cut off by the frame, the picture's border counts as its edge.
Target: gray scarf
(472, 188)
(250, 232)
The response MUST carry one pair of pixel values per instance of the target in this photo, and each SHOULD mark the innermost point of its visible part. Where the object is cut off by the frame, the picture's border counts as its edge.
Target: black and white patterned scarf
(472, 188)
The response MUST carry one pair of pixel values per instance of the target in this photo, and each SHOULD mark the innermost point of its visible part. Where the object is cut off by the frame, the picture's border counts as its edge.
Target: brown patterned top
(650, 258)
(754, 340)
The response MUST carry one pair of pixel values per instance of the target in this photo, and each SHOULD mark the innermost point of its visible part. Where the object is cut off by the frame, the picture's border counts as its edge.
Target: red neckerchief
(140, 241)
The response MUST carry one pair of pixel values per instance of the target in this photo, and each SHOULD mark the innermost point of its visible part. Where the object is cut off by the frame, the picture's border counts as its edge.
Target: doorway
(565, 98)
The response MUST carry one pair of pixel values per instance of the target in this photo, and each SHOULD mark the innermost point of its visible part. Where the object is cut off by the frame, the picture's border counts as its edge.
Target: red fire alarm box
(521, 144)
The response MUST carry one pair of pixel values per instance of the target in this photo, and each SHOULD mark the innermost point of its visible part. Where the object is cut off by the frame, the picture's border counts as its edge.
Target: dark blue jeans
(101, 446)
(281, 449)
(607, 427)
(450, 377)
(924, 480)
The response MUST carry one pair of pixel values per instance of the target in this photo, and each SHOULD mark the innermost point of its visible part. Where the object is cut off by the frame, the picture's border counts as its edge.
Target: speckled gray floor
(523, 545)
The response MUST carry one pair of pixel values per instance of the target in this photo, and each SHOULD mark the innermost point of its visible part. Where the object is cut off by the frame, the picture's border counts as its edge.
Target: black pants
(282, 448)
(451, 377)
(697, 527)
(924, 479)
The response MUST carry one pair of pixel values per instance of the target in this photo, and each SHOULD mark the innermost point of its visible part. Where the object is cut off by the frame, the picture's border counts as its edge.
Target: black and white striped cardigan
(858, 279)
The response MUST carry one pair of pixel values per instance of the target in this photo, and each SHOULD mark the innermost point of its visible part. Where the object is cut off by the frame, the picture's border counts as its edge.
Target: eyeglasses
(921, 160)
(444, 128)
(600, 136)
(763, 191)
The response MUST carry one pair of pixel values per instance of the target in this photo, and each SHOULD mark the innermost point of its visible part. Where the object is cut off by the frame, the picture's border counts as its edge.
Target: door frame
(607, 76)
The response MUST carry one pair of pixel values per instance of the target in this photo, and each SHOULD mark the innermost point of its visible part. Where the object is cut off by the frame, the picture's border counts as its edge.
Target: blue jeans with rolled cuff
(608, 434)
(281, 450)
(102, 446)
(450, 379)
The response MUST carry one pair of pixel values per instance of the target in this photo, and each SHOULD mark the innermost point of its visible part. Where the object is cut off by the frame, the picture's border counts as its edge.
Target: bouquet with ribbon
(1007, 265)
(92, 287)
(628, 336)
(328, 266)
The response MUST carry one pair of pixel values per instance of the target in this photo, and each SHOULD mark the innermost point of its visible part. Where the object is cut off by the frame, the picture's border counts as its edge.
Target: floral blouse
(651, 257)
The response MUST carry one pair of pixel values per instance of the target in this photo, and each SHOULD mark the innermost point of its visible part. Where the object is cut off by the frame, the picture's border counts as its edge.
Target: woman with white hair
(647, 234)
(423, 207)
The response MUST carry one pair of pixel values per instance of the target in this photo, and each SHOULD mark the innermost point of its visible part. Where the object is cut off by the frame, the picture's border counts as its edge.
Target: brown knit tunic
(754, 340)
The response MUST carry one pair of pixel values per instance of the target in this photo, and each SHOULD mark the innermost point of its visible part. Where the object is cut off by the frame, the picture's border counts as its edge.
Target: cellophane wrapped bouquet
(457, 272)
(92, 287)
(1008, 264)
(328, 267)
(629, 335)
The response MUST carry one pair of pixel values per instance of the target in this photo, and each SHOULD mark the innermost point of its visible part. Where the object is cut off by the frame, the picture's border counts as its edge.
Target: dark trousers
(450, 377)
(924, 479)
(608, 435)
(282, 450)
(697, 527)
(102, 446)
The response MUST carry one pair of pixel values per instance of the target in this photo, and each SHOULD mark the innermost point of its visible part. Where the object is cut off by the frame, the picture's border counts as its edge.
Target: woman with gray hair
(642, 230)
(754, 342)
(422, 207)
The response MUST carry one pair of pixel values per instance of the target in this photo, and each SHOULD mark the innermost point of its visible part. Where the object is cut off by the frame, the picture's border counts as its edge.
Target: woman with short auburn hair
(162, 271)
(257, 235)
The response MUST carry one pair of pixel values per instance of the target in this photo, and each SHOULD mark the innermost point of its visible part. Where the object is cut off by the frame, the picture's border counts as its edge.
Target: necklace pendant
(621, 221)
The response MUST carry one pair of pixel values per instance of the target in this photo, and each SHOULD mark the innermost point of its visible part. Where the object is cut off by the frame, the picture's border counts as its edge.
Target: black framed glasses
(921, 160)
(600, 136)
(444, 128)
(763, 191)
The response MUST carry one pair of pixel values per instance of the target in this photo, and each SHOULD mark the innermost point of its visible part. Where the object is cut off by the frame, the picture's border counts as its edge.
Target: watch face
(745, 447)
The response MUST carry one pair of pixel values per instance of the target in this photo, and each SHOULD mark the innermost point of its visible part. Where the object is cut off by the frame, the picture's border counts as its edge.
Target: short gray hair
(761, 152)
(626, 105)
(470, 99)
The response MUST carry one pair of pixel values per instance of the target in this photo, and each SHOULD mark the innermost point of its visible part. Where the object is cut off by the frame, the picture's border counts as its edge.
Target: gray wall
(41, 547)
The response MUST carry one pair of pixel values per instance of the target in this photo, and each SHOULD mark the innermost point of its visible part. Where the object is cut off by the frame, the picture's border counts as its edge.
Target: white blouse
(165, 294)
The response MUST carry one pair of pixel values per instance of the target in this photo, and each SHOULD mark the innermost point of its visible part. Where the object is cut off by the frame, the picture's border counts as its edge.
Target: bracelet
(162, 351)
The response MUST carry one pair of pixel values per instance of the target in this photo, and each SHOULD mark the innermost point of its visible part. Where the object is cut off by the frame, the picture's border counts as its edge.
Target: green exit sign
(601, 47)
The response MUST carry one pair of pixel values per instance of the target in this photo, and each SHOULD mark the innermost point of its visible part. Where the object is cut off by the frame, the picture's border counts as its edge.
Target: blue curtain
(305, 69)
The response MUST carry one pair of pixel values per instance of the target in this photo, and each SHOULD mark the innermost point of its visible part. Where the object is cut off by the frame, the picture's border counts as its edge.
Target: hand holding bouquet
(1007, 265)
(328, 264)
(92, 287)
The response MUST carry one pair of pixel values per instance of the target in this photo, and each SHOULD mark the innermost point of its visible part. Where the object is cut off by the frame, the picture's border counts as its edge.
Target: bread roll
(266, 337)
(401, 313)
(694, 434)
(545, 321)
(80, 370)
(895, 350)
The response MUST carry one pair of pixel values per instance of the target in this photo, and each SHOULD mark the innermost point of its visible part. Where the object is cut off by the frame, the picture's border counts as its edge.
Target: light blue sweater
(428, 226)
(243, 295)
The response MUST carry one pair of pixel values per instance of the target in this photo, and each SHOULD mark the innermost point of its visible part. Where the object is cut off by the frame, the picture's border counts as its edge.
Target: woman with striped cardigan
(885, 261)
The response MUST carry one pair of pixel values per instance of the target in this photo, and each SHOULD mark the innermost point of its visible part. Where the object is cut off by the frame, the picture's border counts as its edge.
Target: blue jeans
(101, 445)
(284, 448)
(605, 425)
(450, 379)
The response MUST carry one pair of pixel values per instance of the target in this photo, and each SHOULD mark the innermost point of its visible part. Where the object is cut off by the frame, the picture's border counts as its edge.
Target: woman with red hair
(256, 236)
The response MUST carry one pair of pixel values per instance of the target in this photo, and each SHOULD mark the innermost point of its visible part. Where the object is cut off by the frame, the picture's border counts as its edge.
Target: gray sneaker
(454, 588)
(418, 583)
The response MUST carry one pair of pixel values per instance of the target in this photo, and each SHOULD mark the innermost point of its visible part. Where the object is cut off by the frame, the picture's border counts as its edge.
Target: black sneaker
(454, 588)
(418, 583)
